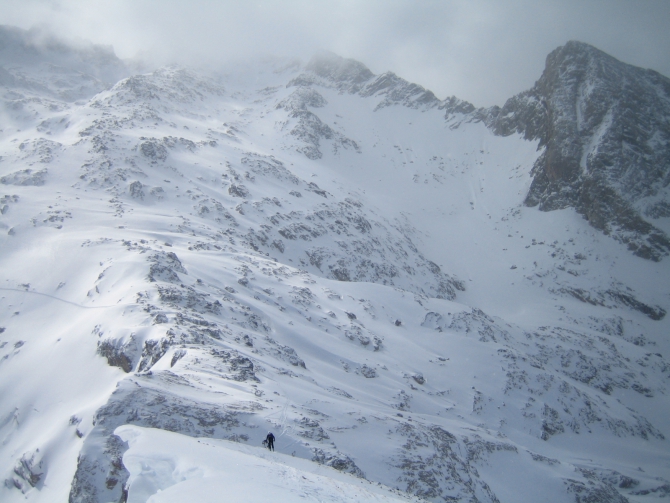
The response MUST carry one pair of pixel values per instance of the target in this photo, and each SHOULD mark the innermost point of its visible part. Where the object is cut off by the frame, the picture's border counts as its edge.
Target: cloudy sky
(480, 50)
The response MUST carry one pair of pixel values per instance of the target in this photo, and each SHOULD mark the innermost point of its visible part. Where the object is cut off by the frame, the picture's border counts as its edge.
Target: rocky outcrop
(606, 139)
(347, 75)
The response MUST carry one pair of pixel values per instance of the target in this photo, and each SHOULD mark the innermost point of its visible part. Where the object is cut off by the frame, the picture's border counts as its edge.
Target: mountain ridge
(596, 118)
(576, 168)
(338, 257)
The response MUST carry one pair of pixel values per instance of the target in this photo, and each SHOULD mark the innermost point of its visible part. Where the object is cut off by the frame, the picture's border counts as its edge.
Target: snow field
(514, 380)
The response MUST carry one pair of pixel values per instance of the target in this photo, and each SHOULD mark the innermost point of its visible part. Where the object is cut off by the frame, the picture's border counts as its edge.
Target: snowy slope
(186, 468)
(192, 258)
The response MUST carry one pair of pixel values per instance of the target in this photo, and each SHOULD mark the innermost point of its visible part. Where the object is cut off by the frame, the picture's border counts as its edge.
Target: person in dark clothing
(270, 440)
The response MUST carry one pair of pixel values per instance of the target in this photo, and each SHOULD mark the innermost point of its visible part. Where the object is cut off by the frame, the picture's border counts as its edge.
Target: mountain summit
(603, 126)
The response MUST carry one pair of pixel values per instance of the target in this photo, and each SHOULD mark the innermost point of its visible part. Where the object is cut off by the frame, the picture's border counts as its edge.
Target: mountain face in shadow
(604, 128)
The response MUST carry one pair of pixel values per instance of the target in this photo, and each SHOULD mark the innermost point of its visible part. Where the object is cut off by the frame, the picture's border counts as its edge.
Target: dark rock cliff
(605, 129)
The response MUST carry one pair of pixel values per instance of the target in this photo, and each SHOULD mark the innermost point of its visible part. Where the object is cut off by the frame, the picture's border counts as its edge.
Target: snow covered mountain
(190, 258)
(604, 128)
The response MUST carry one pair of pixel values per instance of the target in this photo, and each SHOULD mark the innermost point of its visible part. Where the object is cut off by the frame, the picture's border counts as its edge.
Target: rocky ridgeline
(602, 125)
(330, 235)
(327, 70)
(215, 332)
(603, 128)
(350, 76)
(306, 126)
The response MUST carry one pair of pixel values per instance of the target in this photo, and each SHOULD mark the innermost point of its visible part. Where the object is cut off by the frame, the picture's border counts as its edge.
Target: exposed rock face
(602, 124)
(346, 73)
(329, 70)
(604, 128)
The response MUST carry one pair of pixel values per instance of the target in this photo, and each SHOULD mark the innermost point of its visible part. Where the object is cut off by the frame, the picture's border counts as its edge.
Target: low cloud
(480, 50)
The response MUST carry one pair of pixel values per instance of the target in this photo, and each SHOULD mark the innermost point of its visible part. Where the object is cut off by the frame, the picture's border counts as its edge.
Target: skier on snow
(270, 440)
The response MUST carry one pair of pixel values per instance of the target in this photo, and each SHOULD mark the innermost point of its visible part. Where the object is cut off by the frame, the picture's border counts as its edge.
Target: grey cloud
(480, 50)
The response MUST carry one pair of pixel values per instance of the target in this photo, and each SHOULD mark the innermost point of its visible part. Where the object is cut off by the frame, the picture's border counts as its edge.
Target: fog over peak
(482, 51)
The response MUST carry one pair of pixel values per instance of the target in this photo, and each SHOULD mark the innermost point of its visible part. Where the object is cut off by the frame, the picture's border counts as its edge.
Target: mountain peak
(596, 118)
(574, 47)
(330, 66)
